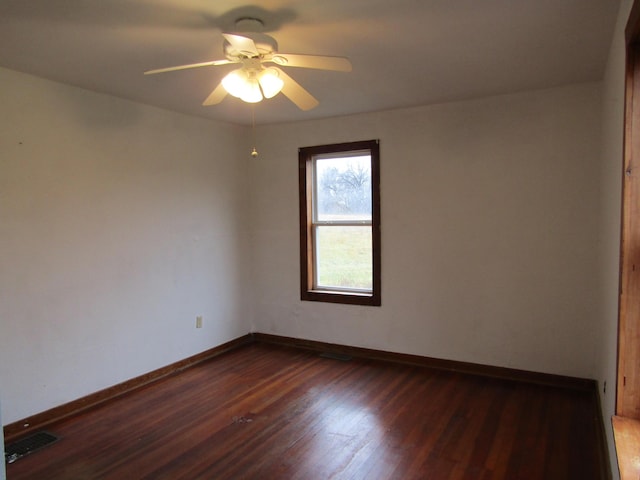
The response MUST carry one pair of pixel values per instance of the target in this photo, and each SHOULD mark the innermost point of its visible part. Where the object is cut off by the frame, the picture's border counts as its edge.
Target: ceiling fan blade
(241, 45)
(216, 96)
(294, 92)
(191, 65)
(338, 64)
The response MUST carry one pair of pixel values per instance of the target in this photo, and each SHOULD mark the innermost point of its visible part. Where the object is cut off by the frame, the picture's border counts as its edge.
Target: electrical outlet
(199, 321)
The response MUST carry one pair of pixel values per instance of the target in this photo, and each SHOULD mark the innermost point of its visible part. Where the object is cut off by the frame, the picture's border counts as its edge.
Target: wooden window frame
(628, 382)
(307, 263)
(626, 422)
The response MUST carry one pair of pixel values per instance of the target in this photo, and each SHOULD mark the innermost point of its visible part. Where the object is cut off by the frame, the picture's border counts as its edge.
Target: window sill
(626, 432)
(349, 298)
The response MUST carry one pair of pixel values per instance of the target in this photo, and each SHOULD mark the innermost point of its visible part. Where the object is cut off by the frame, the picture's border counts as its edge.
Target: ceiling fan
(257, 78)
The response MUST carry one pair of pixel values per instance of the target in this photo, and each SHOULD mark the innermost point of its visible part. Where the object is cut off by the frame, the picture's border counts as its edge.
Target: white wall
(609, 246)
(119, 224)
(489, 228)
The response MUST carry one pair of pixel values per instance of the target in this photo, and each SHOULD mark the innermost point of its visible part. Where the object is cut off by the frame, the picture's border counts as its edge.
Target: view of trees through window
(343, 222)
(344, 188)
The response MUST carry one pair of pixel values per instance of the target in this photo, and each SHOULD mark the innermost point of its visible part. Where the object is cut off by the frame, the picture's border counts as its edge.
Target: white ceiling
(404, 52)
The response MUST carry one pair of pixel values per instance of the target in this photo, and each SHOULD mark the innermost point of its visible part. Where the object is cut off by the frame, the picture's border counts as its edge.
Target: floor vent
(336, 356)
(30, 444)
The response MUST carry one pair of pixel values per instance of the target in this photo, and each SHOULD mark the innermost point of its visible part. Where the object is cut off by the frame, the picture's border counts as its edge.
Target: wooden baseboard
(601, 436)
(38, 421)
(451, 365)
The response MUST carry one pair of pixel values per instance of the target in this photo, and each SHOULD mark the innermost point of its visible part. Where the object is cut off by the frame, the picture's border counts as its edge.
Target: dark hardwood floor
(272, 412)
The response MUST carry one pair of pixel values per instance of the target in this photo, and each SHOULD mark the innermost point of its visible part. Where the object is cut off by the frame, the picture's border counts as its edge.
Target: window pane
(343, 257)
(343, 188)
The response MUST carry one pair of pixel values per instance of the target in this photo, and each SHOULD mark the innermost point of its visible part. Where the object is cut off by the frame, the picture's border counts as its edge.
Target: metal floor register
(27, 445)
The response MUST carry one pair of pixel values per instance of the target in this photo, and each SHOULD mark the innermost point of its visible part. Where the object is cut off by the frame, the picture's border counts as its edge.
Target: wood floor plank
(265, 411)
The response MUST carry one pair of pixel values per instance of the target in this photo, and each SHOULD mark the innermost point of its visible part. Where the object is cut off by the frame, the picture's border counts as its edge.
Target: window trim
(626, 421)
(305, 186)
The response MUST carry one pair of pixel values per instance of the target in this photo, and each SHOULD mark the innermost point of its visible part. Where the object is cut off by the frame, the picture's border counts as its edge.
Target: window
(340, 223)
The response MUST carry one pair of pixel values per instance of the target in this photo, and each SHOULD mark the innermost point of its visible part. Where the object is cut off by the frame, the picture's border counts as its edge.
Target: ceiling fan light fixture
(235, 83)
(250, 87)
(270, 82)
(252, 93)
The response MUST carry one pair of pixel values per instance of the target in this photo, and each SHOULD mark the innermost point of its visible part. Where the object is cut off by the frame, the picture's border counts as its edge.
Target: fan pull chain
(254, 152)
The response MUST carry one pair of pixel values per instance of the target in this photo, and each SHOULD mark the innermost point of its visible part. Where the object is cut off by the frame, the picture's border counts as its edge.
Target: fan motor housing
(265, 45)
